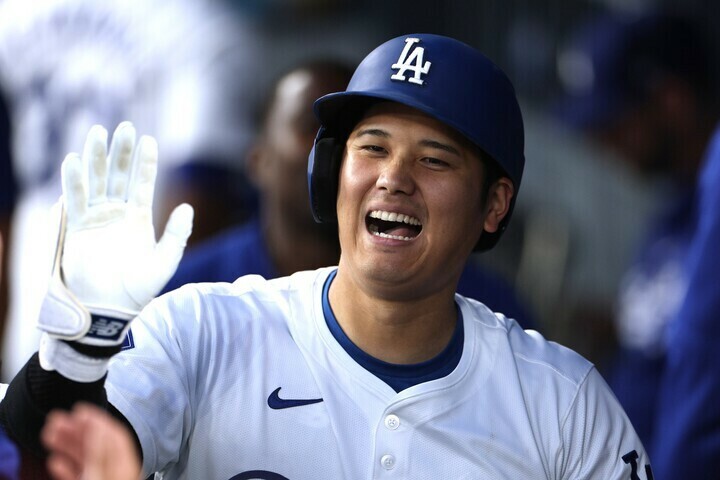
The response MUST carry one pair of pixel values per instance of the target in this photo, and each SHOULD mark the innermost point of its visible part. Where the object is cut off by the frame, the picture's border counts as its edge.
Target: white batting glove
(108, 265)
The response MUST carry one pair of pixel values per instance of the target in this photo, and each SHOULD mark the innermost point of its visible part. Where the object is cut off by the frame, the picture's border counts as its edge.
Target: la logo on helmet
(411, 61)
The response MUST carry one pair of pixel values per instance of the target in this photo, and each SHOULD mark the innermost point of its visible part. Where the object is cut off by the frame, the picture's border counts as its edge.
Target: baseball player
(374, 368)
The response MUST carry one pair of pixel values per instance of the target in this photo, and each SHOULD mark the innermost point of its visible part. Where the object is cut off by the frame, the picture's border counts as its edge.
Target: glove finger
(74, 187)
(142, 185)
(170, 248)
(94, 159)
(121, 160)
(168, 253)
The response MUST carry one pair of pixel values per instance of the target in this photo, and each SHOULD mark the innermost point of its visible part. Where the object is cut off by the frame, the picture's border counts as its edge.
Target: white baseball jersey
(246, 381)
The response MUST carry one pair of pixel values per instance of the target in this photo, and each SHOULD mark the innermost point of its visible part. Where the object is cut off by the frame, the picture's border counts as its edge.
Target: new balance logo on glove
(106, 328)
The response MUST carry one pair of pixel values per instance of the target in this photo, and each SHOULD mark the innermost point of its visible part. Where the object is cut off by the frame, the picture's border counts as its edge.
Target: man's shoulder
(217, 308)
(534, 355)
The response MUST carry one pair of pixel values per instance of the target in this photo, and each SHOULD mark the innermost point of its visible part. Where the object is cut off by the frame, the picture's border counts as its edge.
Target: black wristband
(93, 350)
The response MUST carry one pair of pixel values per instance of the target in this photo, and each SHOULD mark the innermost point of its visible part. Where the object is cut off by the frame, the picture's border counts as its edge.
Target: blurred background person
(69, 64)
(283, 238)
(648, 94)
(686, 443)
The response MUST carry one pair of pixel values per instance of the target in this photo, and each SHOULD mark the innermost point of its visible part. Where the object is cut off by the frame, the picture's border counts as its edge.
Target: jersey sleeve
(598, 439)
(152, 382)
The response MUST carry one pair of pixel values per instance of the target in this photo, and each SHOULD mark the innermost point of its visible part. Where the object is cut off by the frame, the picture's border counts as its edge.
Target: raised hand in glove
(108, 265)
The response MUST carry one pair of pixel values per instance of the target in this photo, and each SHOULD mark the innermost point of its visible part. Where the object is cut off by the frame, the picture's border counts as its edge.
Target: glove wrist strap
(57, 355)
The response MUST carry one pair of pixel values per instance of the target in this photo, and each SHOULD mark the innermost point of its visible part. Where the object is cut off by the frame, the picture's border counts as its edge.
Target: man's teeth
(394, 217)
(386, 235)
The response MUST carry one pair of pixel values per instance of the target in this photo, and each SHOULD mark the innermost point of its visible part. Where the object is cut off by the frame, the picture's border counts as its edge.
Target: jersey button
(388, 462)
(392, 422)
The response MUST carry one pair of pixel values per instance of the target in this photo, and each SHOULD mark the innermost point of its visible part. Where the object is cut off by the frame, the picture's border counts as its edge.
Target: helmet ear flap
(323, 172)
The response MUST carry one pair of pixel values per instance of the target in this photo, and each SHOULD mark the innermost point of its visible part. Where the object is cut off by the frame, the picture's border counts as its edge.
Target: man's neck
(399, 332)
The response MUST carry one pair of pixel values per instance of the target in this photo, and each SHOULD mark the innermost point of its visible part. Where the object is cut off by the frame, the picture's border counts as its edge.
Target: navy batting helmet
(439, 76)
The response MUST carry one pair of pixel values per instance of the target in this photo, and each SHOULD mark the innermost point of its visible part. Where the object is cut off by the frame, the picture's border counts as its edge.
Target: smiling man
(410, 211)
(375, 368)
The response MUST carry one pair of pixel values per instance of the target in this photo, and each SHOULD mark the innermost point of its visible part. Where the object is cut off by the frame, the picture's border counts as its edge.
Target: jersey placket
(392, 438)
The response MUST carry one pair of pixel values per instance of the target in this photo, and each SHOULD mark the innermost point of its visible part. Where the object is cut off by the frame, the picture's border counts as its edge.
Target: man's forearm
(33, 393)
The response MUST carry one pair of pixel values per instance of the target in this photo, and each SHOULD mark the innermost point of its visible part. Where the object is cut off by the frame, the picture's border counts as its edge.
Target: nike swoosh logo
(277, 403)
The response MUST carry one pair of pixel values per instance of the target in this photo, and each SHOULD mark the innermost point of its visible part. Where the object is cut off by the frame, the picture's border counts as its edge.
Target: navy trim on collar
(399, 377)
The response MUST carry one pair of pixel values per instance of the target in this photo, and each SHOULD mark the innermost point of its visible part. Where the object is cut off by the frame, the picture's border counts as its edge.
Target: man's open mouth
(393, 225)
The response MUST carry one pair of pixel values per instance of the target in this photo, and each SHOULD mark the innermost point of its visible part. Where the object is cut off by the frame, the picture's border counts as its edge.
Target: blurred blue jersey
(687, 425)
(9, 460)
(650, 295)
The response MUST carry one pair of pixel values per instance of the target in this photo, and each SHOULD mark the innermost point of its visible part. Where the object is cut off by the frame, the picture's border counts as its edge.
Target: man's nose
(396, 175)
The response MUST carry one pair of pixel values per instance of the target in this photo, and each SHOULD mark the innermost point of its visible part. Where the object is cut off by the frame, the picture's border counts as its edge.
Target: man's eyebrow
(440, 146)
(377, 132)
(374, 132)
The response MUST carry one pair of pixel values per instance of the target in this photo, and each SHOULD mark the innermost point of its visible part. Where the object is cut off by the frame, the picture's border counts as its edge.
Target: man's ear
(498, 203)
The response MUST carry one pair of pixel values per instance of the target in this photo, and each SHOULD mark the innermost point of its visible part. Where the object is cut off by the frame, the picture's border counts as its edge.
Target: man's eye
(373, 148)
(435, 162)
